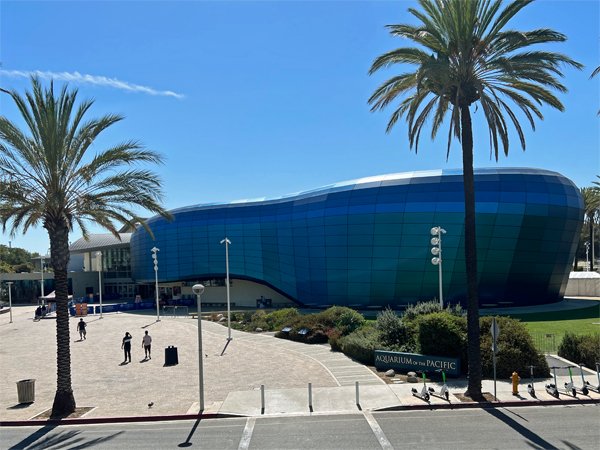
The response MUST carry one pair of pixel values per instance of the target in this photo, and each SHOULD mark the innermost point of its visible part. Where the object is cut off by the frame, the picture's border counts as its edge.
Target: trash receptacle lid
(26, 381)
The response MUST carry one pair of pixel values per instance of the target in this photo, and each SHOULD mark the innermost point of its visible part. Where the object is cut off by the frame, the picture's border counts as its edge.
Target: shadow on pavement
(67, 440)
(187, 442)
(534, 440)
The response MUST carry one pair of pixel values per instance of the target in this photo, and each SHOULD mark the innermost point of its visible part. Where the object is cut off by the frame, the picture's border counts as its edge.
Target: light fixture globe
(198, 289)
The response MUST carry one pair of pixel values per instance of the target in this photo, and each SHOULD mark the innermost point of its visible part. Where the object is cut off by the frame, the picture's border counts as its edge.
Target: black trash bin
(171, 357)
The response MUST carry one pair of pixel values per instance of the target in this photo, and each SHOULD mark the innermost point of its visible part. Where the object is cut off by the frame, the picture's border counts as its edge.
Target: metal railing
(544, 342)
(175, 311)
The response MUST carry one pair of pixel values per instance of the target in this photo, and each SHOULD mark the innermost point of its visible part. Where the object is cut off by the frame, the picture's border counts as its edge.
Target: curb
(133, 419)
(122, 419)
(509, 404)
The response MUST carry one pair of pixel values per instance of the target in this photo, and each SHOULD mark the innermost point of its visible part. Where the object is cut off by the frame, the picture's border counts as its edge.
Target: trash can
(171, 358)
(26, 391)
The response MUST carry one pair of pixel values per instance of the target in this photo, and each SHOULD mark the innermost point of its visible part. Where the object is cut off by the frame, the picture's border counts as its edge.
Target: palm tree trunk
(64, 401)
(473, 348)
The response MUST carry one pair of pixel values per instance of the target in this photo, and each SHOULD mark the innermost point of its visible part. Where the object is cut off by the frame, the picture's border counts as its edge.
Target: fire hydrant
(515, 382)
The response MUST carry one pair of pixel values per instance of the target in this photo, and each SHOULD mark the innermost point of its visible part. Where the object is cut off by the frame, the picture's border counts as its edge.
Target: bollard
(357, 399)
(262, 398)
(515, 383)
(310, 396)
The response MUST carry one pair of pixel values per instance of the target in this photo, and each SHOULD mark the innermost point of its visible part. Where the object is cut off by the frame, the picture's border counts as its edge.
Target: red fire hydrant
(515, 381)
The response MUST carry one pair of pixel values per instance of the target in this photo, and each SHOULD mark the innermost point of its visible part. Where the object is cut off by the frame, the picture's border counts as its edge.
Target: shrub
(441, 334)
(583, 349)
(349, 321)
(516, 350)
(421, 309)
(392, 329)
(361, 344)
(331, 316)
(279, 319)
(334, 336)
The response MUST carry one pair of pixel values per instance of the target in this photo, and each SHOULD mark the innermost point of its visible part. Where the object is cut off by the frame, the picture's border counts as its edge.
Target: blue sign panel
(414, 361)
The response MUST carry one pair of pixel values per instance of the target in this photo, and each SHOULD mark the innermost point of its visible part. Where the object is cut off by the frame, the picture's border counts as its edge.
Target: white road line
(383, 441)
(247, 435)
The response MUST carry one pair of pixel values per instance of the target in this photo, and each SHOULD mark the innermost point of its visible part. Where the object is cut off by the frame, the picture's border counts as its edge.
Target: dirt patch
(79, 412)
(465, 398)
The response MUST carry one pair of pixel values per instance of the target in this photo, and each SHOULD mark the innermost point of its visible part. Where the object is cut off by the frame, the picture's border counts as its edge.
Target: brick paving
(27, 350)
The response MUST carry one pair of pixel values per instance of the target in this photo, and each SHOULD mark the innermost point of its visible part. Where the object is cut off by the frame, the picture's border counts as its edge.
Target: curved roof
(100, 242)
(377, 181)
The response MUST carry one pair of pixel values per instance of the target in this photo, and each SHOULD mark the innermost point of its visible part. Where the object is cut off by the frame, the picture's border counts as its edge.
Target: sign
(495, 332)
(414, 361)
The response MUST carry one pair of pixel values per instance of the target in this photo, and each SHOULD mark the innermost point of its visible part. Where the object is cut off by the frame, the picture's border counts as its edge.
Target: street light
(99, 257)
(227, 242)
(10, 298)
(154, 257)
(587, 259)
(42, 272)
(437, 258)
(198, 290)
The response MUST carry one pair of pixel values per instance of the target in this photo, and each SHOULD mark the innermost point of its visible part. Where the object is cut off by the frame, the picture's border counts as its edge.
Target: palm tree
(467, 56)
(594, 73)
(46, 181)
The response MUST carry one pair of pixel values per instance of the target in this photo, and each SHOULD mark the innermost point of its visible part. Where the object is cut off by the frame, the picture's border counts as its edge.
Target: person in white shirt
(146, 343)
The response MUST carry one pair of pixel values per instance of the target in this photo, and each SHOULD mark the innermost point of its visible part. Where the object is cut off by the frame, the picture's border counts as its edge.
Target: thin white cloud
(78, 78)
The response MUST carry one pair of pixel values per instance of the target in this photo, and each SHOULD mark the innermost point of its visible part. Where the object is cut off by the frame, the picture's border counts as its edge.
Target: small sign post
(495, 332)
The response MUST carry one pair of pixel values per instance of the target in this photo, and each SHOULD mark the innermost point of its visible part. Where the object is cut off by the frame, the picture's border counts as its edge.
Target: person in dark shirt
(126, 346)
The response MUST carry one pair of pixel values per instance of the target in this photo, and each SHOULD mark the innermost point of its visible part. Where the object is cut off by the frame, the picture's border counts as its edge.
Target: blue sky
(254, 99)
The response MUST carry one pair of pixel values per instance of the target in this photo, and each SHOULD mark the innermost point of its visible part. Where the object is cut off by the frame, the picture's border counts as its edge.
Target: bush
(583, 349)
(349, 322)
(361, 344)
(516, 350)
(425, 308)
(331, 316)
(279, 319)
(392, 329)
(441, 334)
(334, 336)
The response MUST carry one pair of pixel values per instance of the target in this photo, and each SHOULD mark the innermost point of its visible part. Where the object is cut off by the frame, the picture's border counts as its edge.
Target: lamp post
(437, 258)
(227, 242)
(155, 258)
(42, 272)
(198, 290)
(99, 258)
(587, 258)
(10, 298)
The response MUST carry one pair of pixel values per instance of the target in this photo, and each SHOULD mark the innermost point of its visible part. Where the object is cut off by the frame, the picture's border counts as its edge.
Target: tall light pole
(42, 272)
(155, 258)
(99, 262)
(227, 242)
(587, 258)
(198, 290)
(437, 252)
(10, 298)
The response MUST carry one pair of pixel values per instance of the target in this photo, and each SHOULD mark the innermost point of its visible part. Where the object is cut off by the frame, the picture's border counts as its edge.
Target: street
(558, 427)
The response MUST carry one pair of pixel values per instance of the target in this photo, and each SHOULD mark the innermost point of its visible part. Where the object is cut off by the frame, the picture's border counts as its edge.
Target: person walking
(146, 343)
(81, 328)
(126, 346)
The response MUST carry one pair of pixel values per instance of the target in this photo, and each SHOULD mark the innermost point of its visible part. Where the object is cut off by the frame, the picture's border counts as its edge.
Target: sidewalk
(231, 382)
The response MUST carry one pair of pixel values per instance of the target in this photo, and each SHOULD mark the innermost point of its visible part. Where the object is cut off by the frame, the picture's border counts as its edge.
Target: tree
(46, 182)
(591, 205)
(466, 56)
(594, 73)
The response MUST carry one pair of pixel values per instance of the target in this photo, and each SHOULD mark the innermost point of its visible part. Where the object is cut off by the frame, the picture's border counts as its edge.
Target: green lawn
(580, 321)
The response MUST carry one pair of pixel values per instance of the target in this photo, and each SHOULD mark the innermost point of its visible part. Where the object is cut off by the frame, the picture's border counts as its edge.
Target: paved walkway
(342, 368)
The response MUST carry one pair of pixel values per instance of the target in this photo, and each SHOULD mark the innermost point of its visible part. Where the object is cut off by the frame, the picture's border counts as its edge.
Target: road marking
(247, 435)
(383, 441)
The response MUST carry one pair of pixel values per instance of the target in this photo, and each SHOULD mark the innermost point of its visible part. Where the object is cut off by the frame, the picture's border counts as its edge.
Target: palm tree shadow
(64, 440)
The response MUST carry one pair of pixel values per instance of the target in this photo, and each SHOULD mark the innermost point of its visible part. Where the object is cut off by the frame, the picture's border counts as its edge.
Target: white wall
(242, 292)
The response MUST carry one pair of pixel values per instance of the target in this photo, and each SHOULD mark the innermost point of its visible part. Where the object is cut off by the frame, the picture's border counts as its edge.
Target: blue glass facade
(366, 243)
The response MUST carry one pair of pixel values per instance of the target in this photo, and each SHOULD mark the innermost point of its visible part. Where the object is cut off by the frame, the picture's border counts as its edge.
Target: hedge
(583, 348)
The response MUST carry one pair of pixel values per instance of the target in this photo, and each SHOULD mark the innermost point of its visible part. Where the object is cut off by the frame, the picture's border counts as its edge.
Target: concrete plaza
(231, 382)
